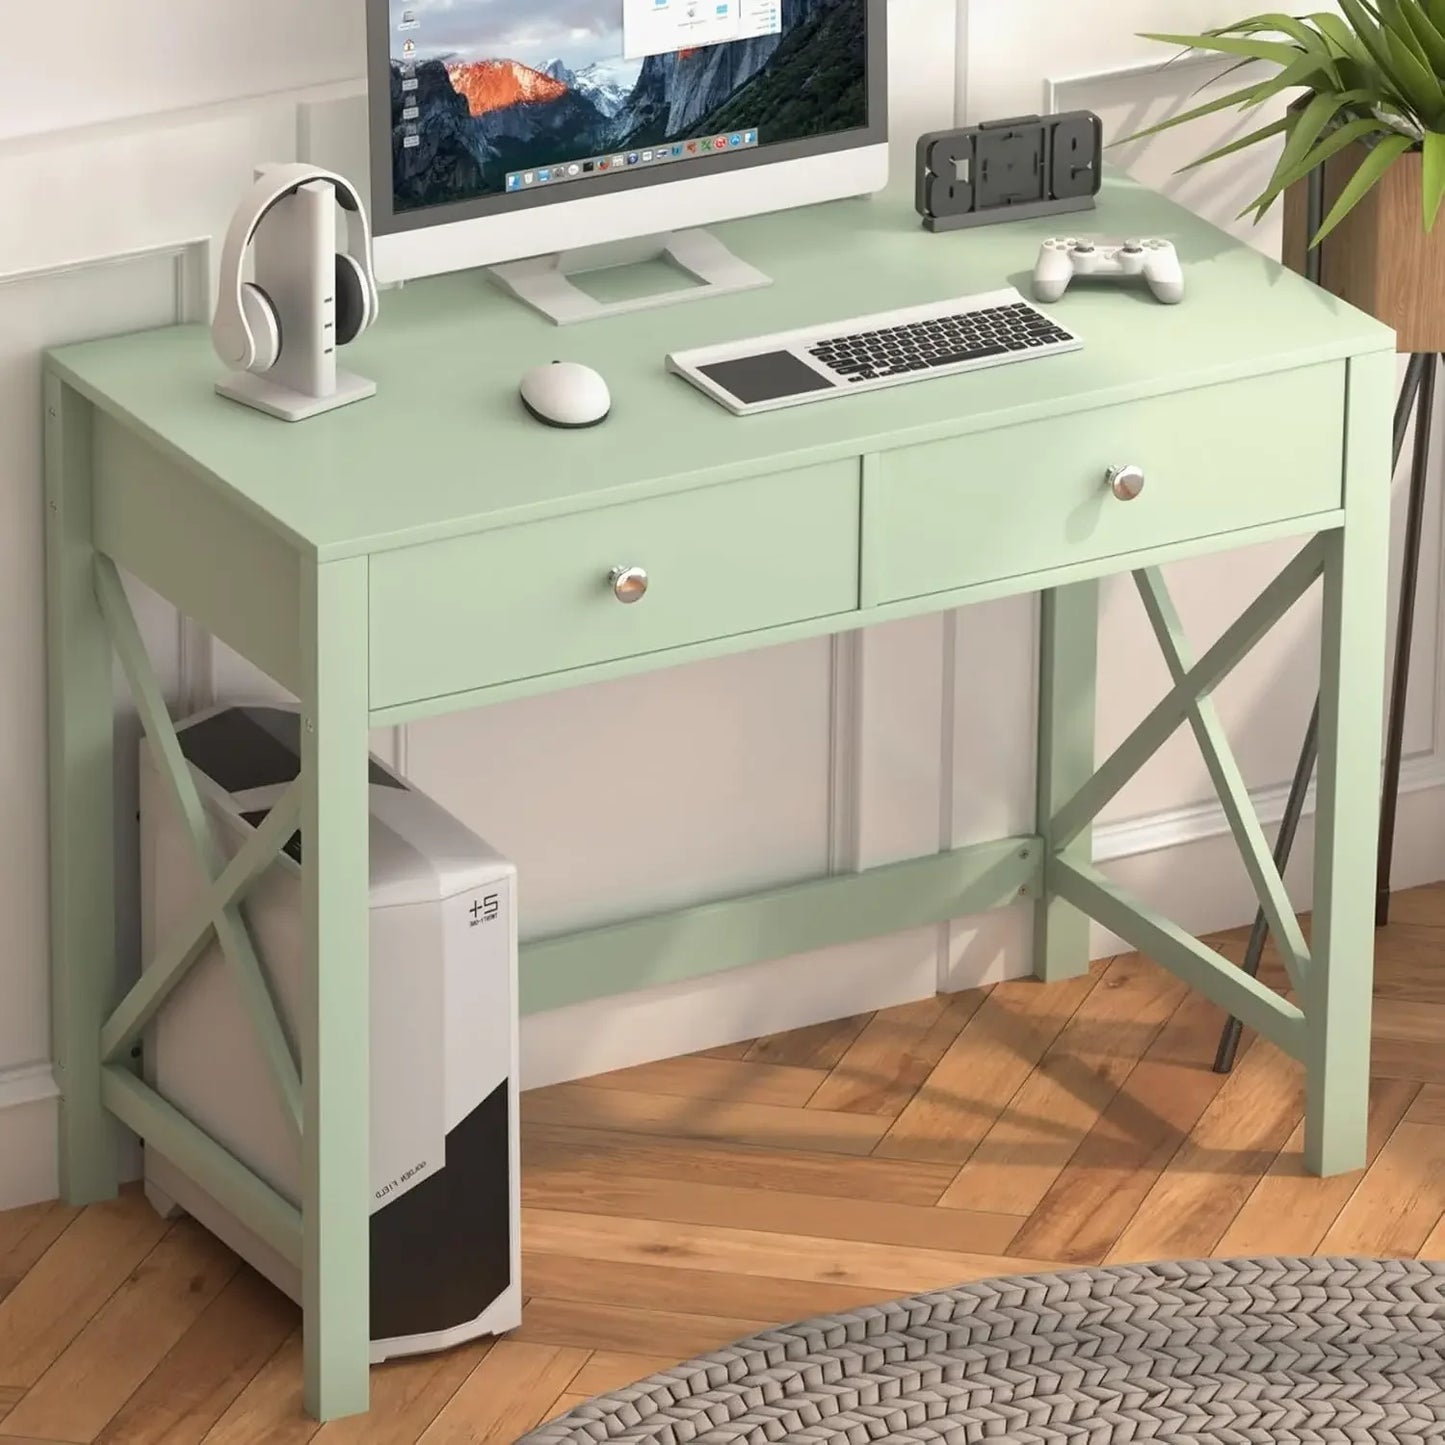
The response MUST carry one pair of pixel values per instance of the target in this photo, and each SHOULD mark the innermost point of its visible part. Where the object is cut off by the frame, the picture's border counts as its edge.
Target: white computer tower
(445, 1235)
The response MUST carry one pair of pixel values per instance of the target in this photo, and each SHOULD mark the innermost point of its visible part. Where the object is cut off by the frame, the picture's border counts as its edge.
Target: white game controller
(1061, 259)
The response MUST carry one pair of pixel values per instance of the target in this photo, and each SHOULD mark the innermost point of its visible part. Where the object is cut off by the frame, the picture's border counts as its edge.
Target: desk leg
(335, 1256)
(82, 823)
(1068, 660)
(1339, 984)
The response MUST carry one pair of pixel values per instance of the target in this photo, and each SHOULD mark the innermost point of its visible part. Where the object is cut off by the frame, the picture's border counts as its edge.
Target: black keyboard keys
(939, 342)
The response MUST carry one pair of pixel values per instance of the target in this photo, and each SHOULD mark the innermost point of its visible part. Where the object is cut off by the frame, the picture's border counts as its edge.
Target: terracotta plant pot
(1380, 257)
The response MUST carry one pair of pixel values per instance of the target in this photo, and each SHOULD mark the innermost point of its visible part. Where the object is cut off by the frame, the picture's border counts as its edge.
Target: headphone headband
(230, 331)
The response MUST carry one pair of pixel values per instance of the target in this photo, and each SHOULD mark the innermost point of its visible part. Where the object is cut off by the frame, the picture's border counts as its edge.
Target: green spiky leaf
(1311, 122)
(1379, 160)
(1419, 83)
(1276, 52)
(1433, 175)
(1245, 97)
(1264, 133)
(1432, 41)
(1395, 21)
(1336, 141)
(1367, 32)
(1341, 40)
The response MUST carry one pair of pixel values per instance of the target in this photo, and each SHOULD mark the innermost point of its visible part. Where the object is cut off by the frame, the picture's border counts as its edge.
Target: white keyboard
(818, 363)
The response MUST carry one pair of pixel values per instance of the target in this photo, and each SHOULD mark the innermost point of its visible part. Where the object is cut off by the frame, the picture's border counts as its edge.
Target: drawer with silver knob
(590, 587)
(1106, 483)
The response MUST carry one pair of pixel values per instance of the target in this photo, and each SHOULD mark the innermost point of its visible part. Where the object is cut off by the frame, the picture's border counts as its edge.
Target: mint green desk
(347, 555)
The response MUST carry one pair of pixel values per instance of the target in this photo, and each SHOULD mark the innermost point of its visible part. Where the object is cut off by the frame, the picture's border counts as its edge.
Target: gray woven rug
(1267, 1350)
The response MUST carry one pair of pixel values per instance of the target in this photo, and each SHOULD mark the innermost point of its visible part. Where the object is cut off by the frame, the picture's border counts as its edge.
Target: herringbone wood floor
(673, 1207)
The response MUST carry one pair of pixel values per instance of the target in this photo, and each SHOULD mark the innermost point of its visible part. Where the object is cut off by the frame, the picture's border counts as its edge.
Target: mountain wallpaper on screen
(480, 119)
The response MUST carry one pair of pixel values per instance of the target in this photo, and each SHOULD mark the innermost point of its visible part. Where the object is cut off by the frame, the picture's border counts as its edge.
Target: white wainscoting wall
(646, 792)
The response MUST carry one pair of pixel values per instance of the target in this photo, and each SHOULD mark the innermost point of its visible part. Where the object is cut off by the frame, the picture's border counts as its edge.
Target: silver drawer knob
(1125, 482)
(629, 584)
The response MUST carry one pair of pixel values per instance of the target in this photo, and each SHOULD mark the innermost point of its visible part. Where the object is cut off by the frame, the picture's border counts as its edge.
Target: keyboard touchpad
(769, 377)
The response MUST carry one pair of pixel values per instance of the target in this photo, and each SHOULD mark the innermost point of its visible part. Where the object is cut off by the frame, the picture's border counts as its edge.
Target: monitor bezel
(387, 221)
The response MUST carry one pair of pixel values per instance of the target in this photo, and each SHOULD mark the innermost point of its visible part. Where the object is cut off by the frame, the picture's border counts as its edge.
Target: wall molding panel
(845, 740)
(1189, 71)
(27, 1084)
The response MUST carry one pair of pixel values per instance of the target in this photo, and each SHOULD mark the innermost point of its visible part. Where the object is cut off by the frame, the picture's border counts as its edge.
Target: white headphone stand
(295, 260)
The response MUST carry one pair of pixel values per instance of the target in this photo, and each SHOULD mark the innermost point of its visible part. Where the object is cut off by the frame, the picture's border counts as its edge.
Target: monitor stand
(544, 282)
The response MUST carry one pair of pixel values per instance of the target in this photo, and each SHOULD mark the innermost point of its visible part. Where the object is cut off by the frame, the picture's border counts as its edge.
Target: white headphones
(246, 330)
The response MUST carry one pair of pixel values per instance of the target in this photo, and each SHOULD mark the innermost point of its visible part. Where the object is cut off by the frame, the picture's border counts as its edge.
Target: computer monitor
(503, 129)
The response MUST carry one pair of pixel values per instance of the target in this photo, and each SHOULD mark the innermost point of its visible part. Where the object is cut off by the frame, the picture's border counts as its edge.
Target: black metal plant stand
(1417, 399)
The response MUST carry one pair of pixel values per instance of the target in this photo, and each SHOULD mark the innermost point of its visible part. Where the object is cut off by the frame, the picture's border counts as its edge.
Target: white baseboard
(29, 1116)
(27, 1084)
(1133, 836)
(1205, 889)
(29, 1135)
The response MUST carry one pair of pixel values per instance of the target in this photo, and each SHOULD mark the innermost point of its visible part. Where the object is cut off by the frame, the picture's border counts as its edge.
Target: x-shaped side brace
(218, 910)
(1189, 700)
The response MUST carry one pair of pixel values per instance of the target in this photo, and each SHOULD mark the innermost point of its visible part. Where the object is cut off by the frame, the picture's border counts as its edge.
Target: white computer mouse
(566, 394)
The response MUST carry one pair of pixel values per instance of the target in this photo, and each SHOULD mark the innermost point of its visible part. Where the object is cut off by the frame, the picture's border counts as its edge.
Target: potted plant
(1372, 120)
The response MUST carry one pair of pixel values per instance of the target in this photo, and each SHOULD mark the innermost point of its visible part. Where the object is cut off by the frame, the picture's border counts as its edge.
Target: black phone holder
(1009, 170)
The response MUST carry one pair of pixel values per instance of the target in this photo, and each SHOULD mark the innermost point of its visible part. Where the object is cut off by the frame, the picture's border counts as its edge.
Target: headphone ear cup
(265, 327)
(353, 300)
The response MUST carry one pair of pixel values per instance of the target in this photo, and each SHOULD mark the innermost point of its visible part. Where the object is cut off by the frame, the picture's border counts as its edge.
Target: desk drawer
(538, 598)
(1020, 499)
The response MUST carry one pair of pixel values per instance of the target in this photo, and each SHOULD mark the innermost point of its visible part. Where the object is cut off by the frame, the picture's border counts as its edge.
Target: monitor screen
(503, 104)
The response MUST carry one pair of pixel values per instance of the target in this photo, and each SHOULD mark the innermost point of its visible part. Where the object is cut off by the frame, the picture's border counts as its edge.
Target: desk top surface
(444, 447)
